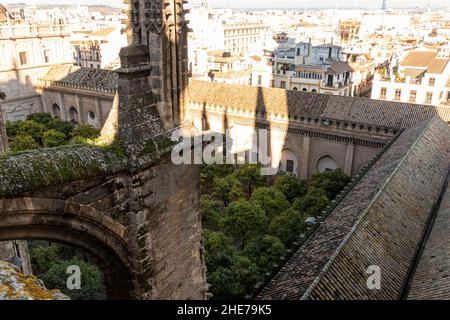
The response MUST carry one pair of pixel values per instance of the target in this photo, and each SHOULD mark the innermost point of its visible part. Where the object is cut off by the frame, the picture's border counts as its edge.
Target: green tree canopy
(219, 250)
(287, 226)
(86, 131)
(92, 285)
(210, 172)
(211, 214)
(312, 204)
(250, 177)
(42, 258)
(332, 182)
(264, 251)
(224, 284)
(271, 200)
(33, 129)
(40, 117)
(290, 186)
(227, 189)
(53, 138)
(244, 220)
(23, 142)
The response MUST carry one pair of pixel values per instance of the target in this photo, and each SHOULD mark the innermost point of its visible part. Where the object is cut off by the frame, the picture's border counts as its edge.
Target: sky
(268, 3)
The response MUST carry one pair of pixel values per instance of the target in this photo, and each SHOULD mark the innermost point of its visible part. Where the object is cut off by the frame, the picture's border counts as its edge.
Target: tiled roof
(71, 75)
(380, 222)
(418, 59)
(438, 65)
(432, 277)
(302, 104)
(339, 67)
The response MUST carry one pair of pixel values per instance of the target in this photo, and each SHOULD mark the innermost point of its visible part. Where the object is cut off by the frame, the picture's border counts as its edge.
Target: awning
(414, 73)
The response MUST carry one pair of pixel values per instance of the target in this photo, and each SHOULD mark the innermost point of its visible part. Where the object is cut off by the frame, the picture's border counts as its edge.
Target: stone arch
(326, 163)
(92, 118)
(73, 115)
(289, 162)
(305, 90)
(314, 91)
(56, 111)
(77, 225)
(295, 88)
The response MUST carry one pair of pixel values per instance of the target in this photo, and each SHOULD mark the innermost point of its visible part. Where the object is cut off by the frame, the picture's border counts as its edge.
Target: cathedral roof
(70, 75)
(302, 104)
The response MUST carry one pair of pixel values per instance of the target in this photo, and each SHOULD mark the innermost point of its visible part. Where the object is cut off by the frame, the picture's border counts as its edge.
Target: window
(431, 82)
(383, 93)
(412, 96)
(398, 94)
(23, 58)
(295, 88)
(47, 56)
(429, 97)
(259, 80)
(272, 83)
(283, 85)
(289, 166)
(28, 80)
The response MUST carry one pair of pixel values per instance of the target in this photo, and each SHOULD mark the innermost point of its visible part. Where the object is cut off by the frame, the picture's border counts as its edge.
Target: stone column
(138, 116)
(304, 160)
(12, 251)
(349, 159)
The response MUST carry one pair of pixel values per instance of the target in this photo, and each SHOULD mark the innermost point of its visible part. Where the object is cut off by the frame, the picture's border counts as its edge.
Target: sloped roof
(4, 14)
(303, 104)
(339, 67)
(437, 65)
(418, 59)
(380, 222)
(86, 77)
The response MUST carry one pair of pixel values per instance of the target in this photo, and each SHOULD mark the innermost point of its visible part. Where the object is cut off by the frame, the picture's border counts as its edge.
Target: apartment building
(422, 77)
(27, 51)
(311, 68)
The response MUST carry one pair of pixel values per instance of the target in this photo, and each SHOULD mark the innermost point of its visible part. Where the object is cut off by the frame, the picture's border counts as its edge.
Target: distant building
(242, 37)
(227, 68)
(27, 51)
(349, 29)
(77, 94)
(420, 78)
(311, 68)
(98, 49)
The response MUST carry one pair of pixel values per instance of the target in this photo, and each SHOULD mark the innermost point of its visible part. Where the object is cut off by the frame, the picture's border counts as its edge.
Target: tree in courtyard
(312, 204)
(227, 189)
(86, 131)
(244, 220)
(332, 182)
(250, 177)
(290, 186)
(23, 142)
(33, 129)
(220, 252)
(53, 138)
(271, 200)
(213, 171)
(211, 215)
(92, 284)
(264, 251)
(287, 226)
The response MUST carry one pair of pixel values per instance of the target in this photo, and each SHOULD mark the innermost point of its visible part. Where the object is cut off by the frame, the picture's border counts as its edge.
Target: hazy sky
(269, 3)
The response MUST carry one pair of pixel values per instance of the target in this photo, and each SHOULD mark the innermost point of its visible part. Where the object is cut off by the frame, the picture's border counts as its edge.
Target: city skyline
(256, 4)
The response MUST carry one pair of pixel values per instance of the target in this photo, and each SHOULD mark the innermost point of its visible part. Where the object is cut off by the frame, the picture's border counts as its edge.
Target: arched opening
(92, 118)
(73, 115)
(326, 163)
(314, 90)
(289, 162)
(77, 226)
(295, 88)
(305, 90)
(56, 111)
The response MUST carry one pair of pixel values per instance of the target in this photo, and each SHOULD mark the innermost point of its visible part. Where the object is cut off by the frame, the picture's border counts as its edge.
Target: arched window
(289, 162)
(305, 90)
(73, 115)
(56, 111)
(314, 90)
(326, 163)
(92, 118)
(295, 88)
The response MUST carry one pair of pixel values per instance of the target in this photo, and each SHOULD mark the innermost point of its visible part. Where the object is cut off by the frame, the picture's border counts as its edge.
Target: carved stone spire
(161, 26)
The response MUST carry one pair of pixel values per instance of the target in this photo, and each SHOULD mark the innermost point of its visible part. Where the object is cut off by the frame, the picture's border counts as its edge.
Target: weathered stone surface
(16, 286)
